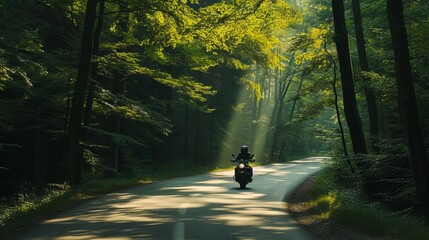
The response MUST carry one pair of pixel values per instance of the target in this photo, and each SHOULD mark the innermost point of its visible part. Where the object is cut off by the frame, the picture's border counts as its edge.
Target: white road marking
(179, 231)
(179, 227)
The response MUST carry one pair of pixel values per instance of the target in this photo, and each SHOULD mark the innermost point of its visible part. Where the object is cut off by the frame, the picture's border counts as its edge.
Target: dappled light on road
(188, 208)
(198, 188)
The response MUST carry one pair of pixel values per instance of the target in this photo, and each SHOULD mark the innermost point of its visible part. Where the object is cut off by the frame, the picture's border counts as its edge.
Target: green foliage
(382, 222)
(345, 205)
(31, 77)
(128, 64)
(192, 56)
(253, 86)
(388, 182)
(244, 29)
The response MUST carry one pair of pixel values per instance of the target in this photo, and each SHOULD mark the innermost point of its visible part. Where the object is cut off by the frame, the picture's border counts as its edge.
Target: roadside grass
(382, 222)
(28, 209)
(341, 207)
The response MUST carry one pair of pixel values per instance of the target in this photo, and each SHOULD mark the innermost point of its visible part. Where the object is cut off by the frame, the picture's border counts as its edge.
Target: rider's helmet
(244, 149)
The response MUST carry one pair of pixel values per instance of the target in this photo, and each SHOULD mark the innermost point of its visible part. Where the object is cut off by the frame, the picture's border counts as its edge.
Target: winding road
(209, 206)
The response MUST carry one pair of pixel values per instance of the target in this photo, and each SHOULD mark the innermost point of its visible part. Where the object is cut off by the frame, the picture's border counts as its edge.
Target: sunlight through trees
(94, 89)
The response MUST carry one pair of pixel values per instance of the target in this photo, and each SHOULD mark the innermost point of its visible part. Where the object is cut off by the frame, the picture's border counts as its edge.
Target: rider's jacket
(244, 156)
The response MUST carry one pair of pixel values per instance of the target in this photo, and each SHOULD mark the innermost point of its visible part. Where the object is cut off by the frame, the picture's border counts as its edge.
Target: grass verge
(342, 207)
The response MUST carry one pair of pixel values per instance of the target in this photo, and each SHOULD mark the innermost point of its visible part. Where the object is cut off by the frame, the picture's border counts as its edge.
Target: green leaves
(128, 63)
(131, 109)
(244, 28)
(253, 86)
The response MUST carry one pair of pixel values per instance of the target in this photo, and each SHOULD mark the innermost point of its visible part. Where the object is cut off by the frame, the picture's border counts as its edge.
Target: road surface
(209, 206)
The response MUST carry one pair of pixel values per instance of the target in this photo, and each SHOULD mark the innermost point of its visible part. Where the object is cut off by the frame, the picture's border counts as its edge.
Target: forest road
(209, 206)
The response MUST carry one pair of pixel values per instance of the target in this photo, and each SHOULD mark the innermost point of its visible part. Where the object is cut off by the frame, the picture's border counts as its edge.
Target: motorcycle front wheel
(243, 185)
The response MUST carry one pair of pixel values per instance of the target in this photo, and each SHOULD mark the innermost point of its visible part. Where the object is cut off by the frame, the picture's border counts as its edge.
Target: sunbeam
(244, 120)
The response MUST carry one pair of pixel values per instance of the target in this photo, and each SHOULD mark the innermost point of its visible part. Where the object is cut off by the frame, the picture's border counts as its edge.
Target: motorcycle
(243, 171)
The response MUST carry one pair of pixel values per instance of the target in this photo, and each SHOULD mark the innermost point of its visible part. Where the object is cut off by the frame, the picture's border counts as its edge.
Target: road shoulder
(311, 219)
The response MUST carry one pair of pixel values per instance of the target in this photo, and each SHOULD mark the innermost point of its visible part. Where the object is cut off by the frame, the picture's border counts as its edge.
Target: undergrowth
(344, 203)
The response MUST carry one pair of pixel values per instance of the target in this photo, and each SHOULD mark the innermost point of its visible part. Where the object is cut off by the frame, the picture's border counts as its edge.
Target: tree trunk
(269, 86)
(114, 124)
(265, 99)
(186, 133)
(94, 67)
(114, 119)
(369, 94)
(66, 122)
(197, 144)
(349, 96)
(212, 129)
(337, 110)
(295, 100)
(254, 122)
(407, 103)
(281, 88)
(72, 142)
(278, 117)
(340, 124)
(91, 90)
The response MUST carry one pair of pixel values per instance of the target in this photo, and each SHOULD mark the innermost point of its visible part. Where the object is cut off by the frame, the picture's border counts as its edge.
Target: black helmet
(244, 149)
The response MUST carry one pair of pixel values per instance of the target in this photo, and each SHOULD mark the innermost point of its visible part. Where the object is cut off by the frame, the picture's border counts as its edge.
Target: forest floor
(312, 221)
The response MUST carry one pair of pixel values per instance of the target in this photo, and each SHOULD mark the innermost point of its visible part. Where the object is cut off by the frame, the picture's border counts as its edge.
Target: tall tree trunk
(91, 90)
(212, 129)
(66, 122)
(337, 110)
(72, 142)
(197, 143)
(407, 103)
(281, 90)
(296, 98)
(94, 68)
(369, 94)
(254, 123)
(264, 89)
(349, 96)
(340, 124)
(186, 133)
(114, 119)
(114, 125)
(269, 86)
(278, 116)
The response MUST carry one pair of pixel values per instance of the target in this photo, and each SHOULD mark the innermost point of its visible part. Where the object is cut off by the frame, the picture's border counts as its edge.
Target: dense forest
(106, 88)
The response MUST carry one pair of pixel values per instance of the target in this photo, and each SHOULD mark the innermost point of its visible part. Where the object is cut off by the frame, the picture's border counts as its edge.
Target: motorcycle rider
(244, 154)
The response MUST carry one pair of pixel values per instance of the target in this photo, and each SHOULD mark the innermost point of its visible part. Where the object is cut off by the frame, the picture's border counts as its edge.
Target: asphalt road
(204, 207)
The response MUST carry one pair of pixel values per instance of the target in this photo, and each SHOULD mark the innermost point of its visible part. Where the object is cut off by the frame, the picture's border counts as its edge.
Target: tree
(77, 107)
(407, 103)
(349, 97)
(363, 59)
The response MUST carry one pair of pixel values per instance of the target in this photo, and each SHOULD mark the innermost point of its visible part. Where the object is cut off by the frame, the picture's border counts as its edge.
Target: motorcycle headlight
(241, 165)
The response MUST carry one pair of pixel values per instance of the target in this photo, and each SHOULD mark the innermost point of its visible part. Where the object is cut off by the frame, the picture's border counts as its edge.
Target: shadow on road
(199, 207)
